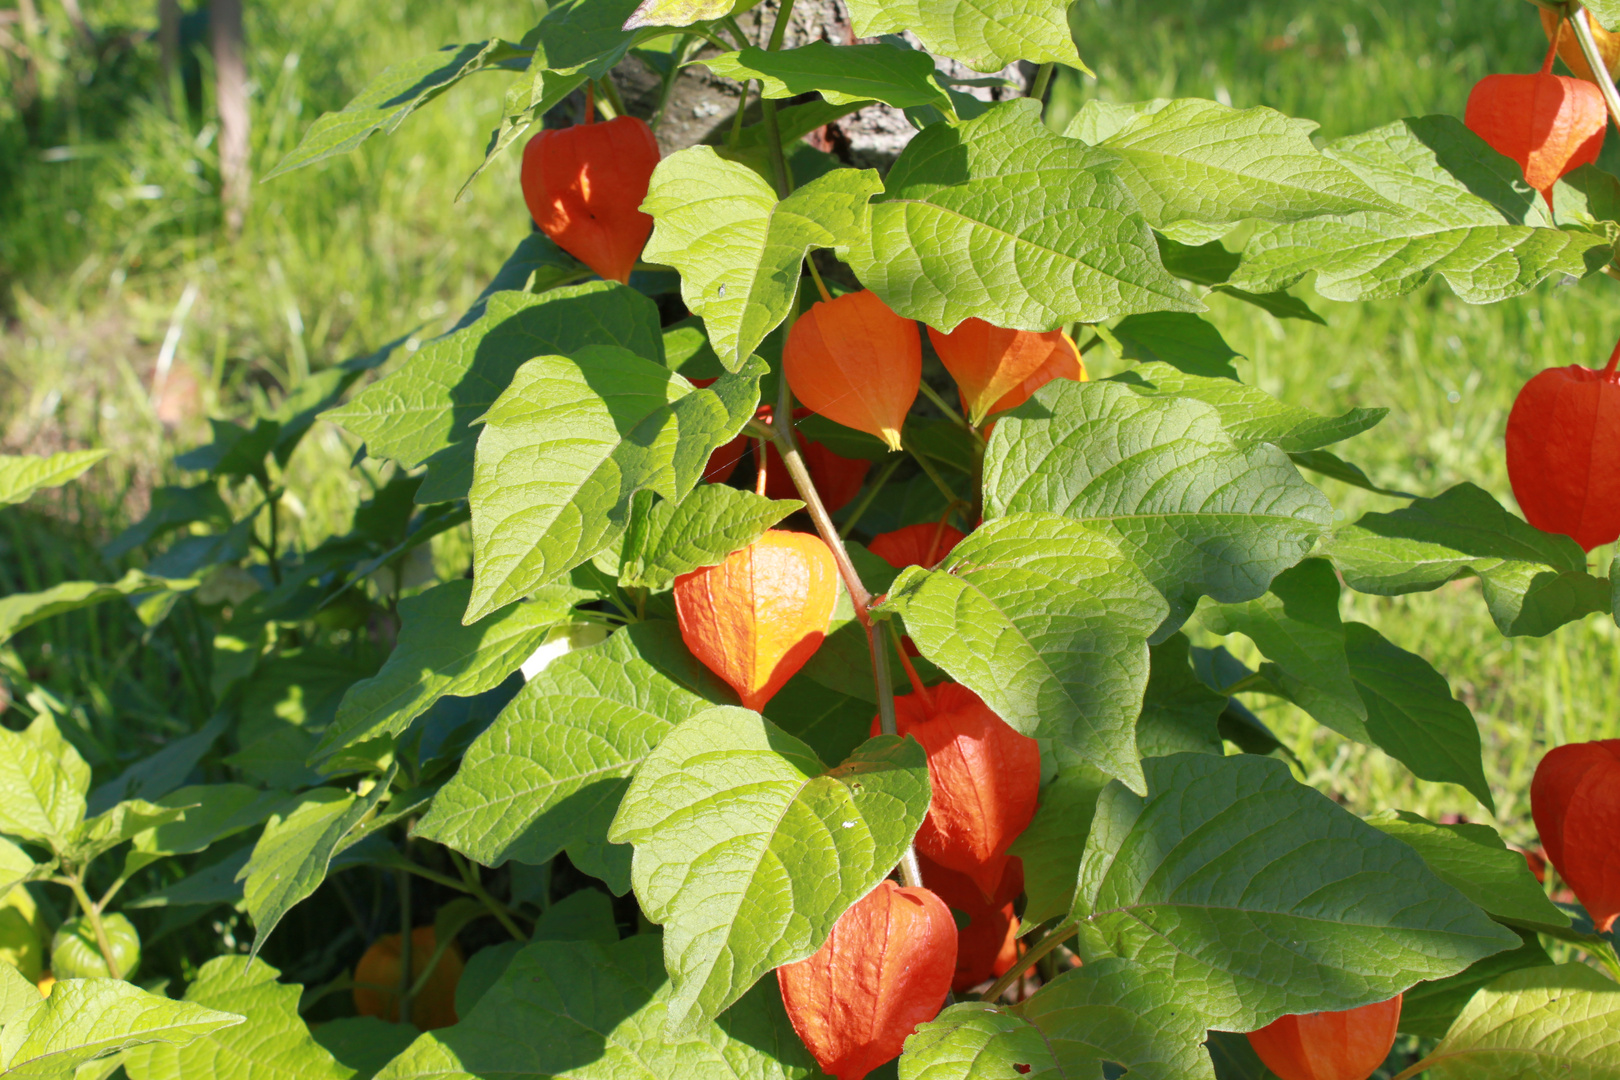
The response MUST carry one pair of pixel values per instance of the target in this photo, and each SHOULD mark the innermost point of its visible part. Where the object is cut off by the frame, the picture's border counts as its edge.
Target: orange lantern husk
(761, 613)
(885, 968)
(916, 545)
(584, 186)
(857, 363)
(1575, 800)
(986, 780)
(997, 369)
(435, 1005)
(1348, 1045)
(987, 947)
(1563, 449)
(1549, 124)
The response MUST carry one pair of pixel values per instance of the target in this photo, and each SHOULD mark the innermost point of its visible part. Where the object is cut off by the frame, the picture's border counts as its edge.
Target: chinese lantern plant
(626, 712)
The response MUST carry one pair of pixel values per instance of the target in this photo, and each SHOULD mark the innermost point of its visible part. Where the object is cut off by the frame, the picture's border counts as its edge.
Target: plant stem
(869, 498)
(737, 121)
(93, 913)
(945, 407)
(1607, 957)
(476, 887)
(779, 165)
(611, 92)
(1594, 59)
(1051, 941)
(1043, 78)
(815, 275)
(779, 29)
(666, 91)
(403, 882)
(928, 467)
(730, 23)
(917, 686)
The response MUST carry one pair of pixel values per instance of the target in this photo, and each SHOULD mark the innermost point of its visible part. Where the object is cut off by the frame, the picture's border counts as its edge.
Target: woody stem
(1594, 59)
(1029, 960)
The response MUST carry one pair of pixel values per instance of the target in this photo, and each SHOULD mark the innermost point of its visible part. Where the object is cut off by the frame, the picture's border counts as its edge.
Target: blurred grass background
(108, 213)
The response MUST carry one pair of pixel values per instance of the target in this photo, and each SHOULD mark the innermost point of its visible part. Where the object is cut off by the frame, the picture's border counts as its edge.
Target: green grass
(106, 215)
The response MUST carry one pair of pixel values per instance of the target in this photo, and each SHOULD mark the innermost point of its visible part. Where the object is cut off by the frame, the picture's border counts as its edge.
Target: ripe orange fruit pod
(761, 613)
(987, 947)
(986, 779)
(584, 186)
(885, 968)
(997, 369)
(435, 1006)
(1563, 452)
(1347, 1045)
(1575, 800)
(1550, 124)
(1569, 49)
(857, 363)
(916, 545)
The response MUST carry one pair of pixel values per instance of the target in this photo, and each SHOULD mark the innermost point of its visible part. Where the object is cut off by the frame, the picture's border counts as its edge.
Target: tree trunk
(169, 44)
(230, 97)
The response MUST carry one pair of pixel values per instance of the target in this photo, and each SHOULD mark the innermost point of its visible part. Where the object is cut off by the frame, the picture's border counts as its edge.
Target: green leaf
(206, 814)
(1178, 338)
(590, 1011)
(17, 993)
(548, 775)
(365, 1043)
(1336, 468)
(289, 861)
(16, 867)
(1052, 844)
(956, 234)
(43, 781)
(21, 476)
(22, 610)
(535, 266)
(1466, 215)
(1606, 12)
(427, 406)
(1249, 414)
(1430, 1008)
(1190, 160)
(1212, 264)
(1297, 626)
(748, 848)
(683, 12)
(985, 37)
(1261, 897)
(1108, 1011)
(122, 822)
(568, 443)
(1543, 1021)
(1474, 860)
(172, 507)
(1352, 680)
(740, 251)
(1196, 510)
(436, 655)
(392, 96)
(1533, 582)
(1412, 715)
(272, 1043)
(86, 1019)
(156, 776)
(1179, 713)
(842, 74)
(1046, 621)
(710, 523)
